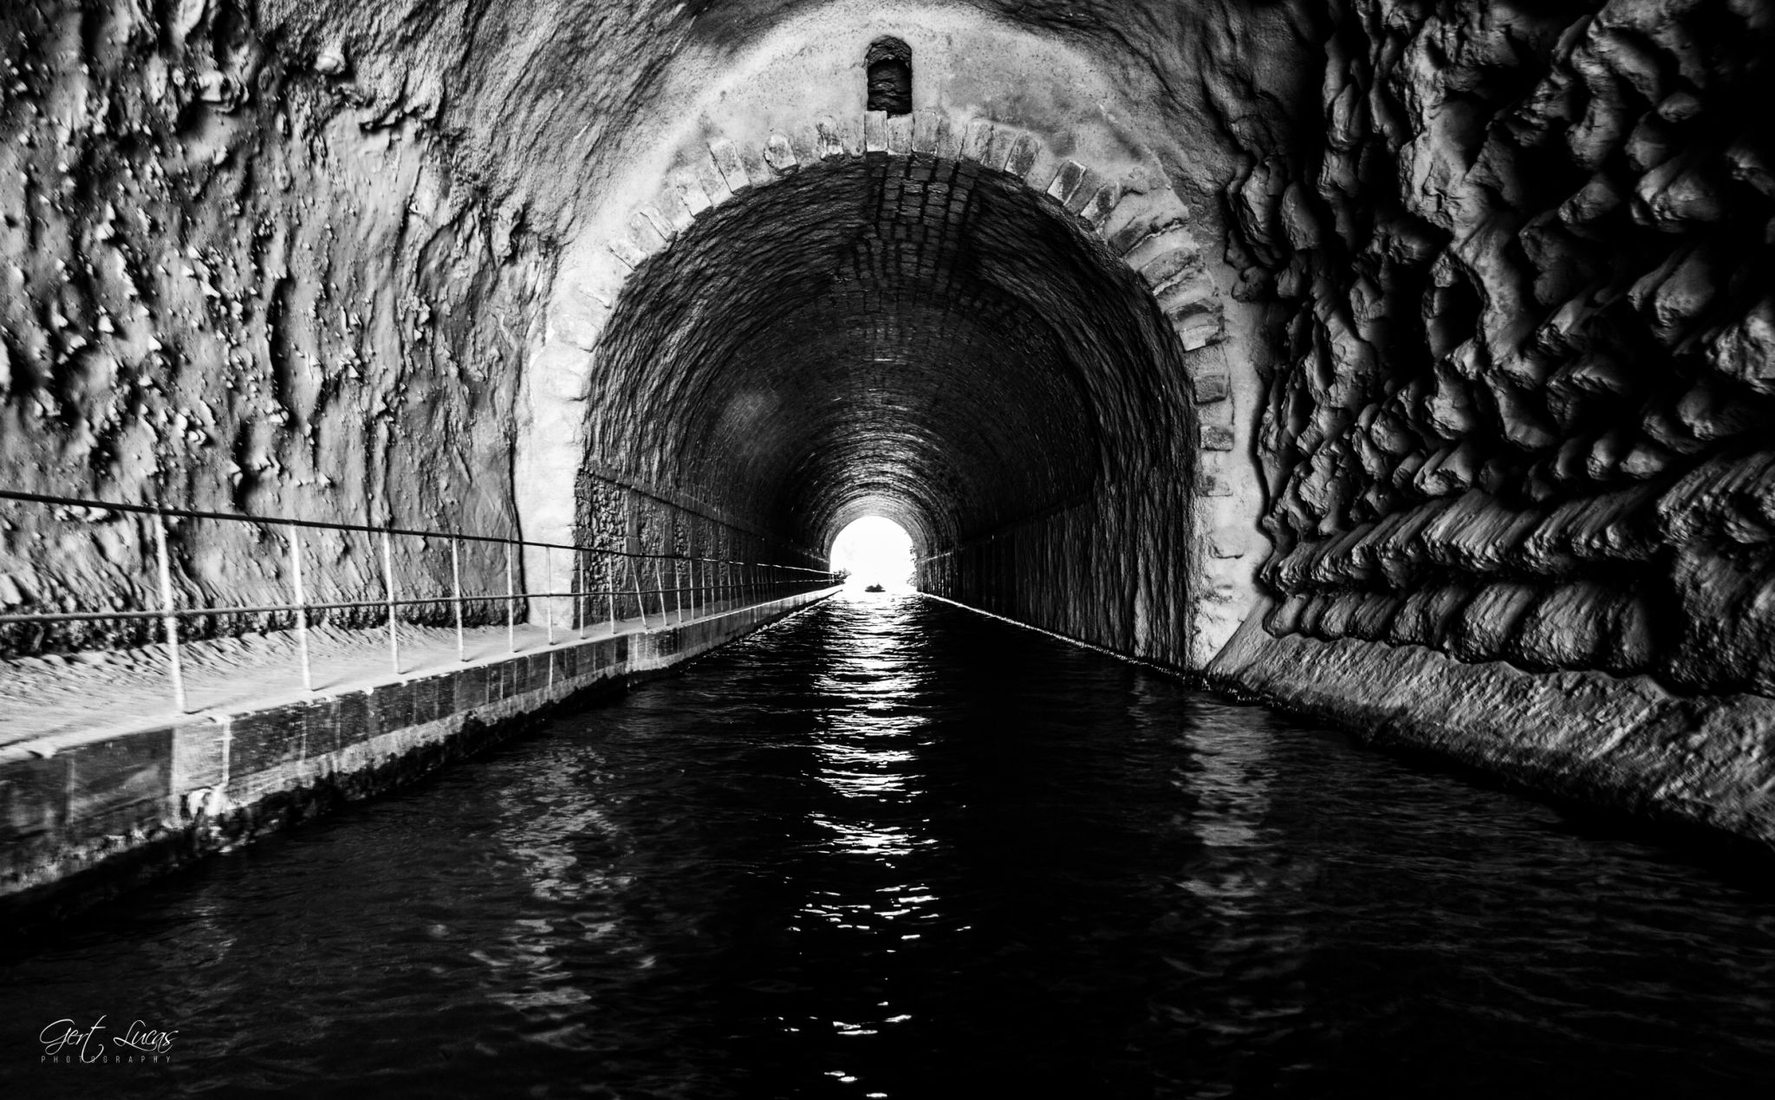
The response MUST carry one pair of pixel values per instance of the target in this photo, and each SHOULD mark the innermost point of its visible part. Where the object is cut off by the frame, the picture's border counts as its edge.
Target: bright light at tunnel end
(874, 551)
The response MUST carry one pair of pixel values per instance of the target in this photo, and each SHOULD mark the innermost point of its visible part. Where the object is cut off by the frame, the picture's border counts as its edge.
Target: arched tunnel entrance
(922, 338)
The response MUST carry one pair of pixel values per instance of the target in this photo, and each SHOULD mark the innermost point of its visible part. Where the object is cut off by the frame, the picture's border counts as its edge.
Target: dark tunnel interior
(918, 338)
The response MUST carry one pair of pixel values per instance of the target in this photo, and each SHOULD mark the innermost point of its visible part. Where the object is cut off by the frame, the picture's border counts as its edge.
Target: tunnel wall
(1115, 571)
(1519, 492)
(237, 279)
(618, 515)
(1524, 291)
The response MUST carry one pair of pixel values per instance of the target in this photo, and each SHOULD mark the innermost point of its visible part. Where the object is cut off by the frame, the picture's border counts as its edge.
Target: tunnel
(909, 337)
(380, 382)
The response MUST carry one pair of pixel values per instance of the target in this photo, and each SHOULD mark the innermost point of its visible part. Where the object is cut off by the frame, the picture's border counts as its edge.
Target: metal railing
(699, 583)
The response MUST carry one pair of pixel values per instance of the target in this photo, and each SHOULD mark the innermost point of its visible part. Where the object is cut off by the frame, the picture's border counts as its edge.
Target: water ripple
(889, 849)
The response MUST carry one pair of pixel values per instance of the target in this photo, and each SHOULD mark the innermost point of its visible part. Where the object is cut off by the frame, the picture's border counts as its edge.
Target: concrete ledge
(1622, 742)
(83, 817)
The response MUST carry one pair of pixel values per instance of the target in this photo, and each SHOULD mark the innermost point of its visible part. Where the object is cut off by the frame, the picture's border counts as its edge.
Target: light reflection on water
(890, 849)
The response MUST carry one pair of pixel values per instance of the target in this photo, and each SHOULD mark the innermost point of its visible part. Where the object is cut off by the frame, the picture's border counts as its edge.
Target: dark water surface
(891, 849)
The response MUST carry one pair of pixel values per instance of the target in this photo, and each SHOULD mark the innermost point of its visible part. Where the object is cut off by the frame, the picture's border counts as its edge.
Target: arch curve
(1124, 212)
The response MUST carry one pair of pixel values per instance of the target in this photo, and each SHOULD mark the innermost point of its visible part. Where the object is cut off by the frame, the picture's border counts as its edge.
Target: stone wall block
(266, 739)
(1005, 143)
(850, 135)
(713, 183)
(758, 170)
(805, 140)
(432, 697)
(321, 734)
(121, 784)
(1214, 437)
(1211, 483)
(674, 205)
(927, 125)
(875, 131)
(33, 805)
(1141, 214)
(688, 189)
(726, 157)
(1067, 180)
(977, 141)
(780, 155)
(1021, 157)
(392, 706)
(651, 229)
(625, 249)
(1085, 192)
(351, 712)
(1098, 207)
(471, 688)
(200, 755)
(1177, 267)
(829, 139)
(899, 135)
(1209, 385)
(1170, 240)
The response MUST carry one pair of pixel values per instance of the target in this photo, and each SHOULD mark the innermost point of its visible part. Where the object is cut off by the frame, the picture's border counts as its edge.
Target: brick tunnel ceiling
(902, 336)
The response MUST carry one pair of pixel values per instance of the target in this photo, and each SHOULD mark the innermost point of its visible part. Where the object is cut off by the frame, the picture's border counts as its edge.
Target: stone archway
(1130, 208)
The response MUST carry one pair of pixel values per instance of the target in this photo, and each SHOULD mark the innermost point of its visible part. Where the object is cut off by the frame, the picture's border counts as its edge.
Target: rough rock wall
(1524, 292)
(632, 526)
(235, 279)
(1112, 571)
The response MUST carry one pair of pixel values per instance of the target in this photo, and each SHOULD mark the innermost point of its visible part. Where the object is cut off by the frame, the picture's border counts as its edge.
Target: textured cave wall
(236, 280)
(1523, 295)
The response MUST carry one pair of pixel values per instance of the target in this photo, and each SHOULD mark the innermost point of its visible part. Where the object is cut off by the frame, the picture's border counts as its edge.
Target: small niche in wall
(890, 76)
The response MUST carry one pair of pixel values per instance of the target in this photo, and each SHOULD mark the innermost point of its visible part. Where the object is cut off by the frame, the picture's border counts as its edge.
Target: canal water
(888, 848)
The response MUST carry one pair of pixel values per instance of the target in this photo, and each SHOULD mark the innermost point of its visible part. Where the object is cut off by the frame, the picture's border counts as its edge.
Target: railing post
(640, 600)
(695, 591)
(659, 589)
(678, 589)
(580, 606)
(169, 618)
(394, 642)
(610, 582)
(548, 590)
(511, 603)
(456, 588)
(301, 608)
